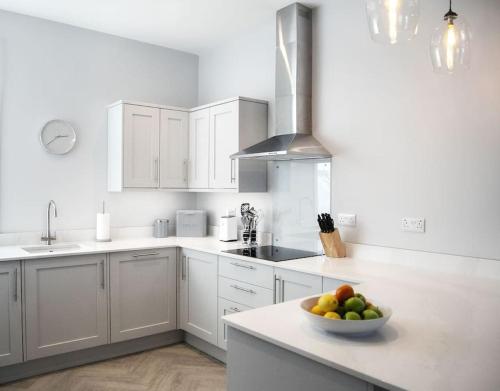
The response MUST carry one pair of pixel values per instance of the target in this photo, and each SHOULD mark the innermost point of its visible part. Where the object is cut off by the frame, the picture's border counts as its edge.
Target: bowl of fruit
(345, 312)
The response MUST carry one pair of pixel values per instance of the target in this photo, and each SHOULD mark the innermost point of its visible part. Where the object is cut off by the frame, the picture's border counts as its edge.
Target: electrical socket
(413, 224)
(347, 220)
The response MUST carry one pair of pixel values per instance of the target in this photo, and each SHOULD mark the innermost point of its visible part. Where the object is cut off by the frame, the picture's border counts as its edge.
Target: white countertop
(444, 333)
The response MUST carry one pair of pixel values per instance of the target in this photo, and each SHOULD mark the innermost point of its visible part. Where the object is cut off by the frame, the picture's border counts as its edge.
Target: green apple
(354, 304)
(352, 316)
(370, 314)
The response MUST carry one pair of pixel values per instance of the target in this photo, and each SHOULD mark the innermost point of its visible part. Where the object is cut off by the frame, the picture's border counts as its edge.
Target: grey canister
(160, 228)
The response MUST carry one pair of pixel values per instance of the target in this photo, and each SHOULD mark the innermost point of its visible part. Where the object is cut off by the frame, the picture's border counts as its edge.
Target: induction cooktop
(273, 253)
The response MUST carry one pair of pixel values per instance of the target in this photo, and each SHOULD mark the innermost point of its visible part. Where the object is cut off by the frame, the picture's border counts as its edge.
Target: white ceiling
(189, 25)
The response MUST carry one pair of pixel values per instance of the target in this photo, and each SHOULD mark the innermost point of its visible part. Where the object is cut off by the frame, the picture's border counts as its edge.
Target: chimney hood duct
(294, 139)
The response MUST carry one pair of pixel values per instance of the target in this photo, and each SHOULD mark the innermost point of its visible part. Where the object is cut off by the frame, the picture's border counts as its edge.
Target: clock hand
(55, 138)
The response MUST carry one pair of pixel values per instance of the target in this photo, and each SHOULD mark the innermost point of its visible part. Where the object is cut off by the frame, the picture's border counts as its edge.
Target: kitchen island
(444, 335)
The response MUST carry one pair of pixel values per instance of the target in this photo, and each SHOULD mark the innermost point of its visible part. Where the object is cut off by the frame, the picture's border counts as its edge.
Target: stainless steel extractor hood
(294, 139)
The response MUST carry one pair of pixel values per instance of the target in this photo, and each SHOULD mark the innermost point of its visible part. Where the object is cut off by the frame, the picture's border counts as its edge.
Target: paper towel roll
(102, 231)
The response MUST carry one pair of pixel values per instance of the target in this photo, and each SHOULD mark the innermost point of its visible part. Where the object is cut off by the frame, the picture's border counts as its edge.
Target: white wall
(51, 70)
(407, 142)
(247, 69)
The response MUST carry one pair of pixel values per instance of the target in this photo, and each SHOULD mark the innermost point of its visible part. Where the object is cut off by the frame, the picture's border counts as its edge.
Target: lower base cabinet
(66, 304)
(198, 294)
(227, 307)
(291, 285)
(11, 341)
(143, 293)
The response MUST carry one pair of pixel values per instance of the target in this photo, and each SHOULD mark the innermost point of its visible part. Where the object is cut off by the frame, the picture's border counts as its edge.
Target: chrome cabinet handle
(234, 309)
(102, 275)
(233, 177)
(243, 266)
(251, 291)
(16, 288)
(183, 268)
(282, 283)
(145, 255)
(157, 169)
(277, 290)
(186, 172)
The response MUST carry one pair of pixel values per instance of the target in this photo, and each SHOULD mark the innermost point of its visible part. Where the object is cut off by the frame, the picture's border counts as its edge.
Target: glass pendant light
(450, 44)
(392, 21)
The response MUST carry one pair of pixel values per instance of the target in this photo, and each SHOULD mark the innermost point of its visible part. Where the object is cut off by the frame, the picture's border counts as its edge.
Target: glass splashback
(300, 189)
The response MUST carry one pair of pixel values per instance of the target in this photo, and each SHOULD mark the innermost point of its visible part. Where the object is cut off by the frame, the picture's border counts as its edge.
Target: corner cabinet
(11, 342)
(143, 287)
(231, 126)
(198, 294)
(160, 147)
(66, 304)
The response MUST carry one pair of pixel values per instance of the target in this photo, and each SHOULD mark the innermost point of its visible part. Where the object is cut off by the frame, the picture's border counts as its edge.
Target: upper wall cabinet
(147, 147)
(199, 130)
(159, 147)
(219, 131)
(174, 149)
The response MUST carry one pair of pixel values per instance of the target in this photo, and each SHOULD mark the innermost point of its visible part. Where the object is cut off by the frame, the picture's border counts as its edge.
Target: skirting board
(86, 356)
(206, 347)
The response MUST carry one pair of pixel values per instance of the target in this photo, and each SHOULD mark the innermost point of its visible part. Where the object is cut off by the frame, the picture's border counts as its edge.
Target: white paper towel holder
(108, 239)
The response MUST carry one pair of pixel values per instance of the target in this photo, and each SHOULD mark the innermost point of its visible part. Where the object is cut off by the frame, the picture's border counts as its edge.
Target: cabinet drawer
(243, 293)
(252, 273)
(142, 254)
(227, 307)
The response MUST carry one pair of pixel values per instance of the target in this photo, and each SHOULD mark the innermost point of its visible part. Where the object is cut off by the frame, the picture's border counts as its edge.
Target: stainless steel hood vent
(294, 139)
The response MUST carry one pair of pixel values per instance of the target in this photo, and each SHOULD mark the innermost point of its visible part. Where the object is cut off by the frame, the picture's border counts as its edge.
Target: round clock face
(58, 137)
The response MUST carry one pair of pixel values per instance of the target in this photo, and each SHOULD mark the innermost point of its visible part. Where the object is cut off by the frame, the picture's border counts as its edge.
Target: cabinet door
(291, 285)
(10, 309)
(174, 149)
(199, 127)
(331, 284)
(224, 134)
(198, 290)
(143, 293)
(227, 307)
(141, 129)
(66, 304)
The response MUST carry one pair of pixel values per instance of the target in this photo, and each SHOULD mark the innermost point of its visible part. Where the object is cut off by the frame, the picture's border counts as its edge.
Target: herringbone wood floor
(177, 367)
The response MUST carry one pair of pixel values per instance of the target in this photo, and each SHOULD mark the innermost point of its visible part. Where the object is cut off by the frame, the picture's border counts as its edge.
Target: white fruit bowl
(342, 326)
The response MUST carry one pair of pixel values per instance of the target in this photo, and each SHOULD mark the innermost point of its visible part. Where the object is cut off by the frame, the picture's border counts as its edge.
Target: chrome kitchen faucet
(49, 238)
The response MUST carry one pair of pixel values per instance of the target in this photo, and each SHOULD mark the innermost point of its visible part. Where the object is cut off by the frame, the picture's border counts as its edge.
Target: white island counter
(444, 333)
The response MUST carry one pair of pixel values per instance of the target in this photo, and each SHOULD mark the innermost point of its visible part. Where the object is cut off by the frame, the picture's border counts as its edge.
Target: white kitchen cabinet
(141, 126)
(174, 135)
(223, 142)
(152, 146)
(199, 128)
(66, 306)
(227, 307)
(11, 343)
(198, 294)
(244, 293)
(331, 284)
(236, 125)
(143, 293)
(291, 285)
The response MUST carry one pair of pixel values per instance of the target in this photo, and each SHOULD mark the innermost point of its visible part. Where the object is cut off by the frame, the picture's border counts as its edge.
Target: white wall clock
(58, 137)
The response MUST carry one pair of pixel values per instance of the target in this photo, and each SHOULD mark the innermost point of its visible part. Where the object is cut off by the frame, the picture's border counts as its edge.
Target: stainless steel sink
(54, 248)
